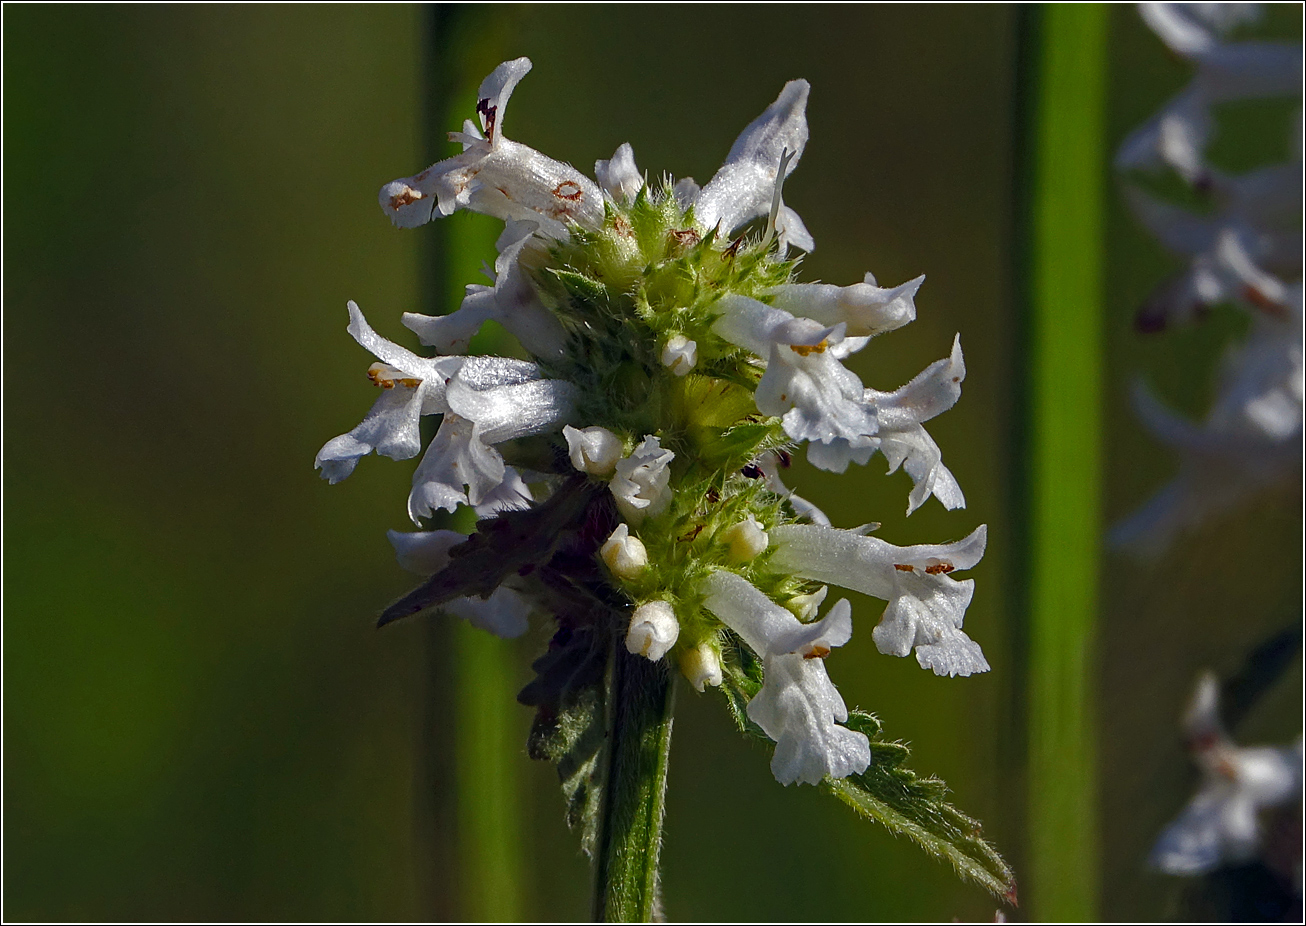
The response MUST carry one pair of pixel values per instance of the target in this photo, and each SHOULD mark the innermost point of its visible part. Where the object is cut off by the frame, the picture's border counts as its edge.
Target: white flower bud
(641, 484)
(653, 630)
(680, 354)
(623, 554)
(804, 607)
(745, 539)
(701, 665)
(593, 450)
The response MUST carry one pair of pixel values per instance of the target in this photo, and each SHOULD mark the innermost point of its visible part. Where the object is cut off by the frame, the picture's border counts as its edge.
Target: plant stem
(641, 698)
(1064, 527)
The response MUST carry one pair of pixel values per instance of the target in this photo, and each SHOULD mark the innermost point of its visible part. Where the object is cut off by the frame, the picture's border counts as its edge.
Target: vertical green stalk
(487, 748)
(1068, 163)
(488, 756)
(640, 702)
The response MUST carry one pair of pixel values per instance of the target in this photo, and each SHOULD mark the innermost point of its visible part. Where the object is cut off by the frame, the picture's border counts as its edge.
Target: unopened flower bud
(623, 554)
(680, 354)
(701, 665)
(593, 450)
(653, 630)
(804, 607)
(745, 539)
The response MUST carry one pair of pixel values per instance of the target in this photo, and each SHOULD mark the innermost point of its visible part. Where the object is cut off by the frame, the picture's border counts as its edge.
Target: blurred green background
(201, 722)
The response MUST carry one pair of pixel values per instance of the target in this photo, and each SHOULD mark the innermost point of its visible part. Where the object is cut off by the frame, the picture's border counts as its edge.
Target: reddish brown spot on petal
(1263, 302)
(802, 350)
(409, 195)
(939, 568)
(488, 115)
(569, 190)
(817, 652)
(387, 377)
(903, 567)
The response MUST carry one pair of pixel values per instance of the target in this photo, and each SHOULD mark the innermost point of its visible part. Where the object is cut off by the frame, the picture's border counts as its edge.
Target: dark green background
(200, 721)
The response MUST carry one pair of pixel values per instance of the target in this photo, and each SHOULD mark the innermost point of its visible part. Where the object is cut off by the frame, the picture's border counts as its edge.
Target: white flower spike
(657, 318)
(1245, 249)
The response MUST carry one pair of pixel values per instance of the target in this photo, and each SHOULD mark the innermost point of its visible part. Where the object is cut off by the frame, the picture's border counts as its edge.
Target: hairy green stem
(1068, 161)
(640, 700)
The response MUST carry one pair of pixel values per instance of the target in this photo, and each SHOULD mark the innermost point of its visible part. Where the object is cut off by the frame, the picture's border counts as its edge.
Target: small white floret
(641, 485)
(653, 630)
(680, 354)
(701, 665)
(624, 555)
(745, 539)
(593, 450)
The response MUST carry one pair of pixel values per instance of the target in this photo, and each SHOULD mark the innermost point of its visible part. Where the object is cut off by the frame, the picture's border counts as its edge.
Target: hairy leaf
(888, 792)
(569, 727)
(514, 543)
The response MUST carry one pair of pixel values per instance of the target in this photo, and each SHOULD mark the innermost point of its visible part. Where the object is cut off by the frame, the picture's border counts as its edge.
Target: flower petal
(619, 178)
(743, 187)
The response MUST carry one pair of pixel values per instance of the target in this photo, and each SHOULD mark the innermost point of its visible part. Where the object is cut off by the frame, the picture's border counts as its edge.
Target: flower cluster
(1243, 246)
(676, 364)
(1221, 825)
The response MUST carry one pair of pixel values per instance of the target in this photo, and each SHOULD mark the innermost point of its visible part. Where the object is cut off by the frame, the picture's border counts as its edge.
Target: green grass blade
(1064, 440)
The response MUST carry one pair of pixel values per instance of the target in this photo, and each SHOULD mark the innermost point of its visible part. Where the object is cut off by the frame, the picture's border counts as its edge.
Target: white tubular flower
(511, 301)
(818, 399)
(798, 706)
(593, 450)
(460, 466)
(680, 354)
(926, 606)
(1250, 440)
(496, 176)
(1250, 229)
(1226, 71)
(414, 386)
(701, 664)
(503, 614)
(619, 178)
(864, 308)
(744, 186)
(653, 630)
(903, 440)
(641, 485)
(624, 555)
(1220, 826)
(746, 540)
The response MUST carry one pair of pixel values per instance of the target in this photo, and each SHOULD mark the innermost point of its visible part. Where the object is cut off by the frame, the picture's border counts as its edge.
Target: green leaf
(888, 792)
(569, 727)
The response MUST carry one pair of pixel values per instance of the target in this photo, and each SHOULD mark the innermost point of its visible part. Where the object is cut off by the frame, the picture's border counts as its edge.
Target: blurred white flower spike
(1244, 249)
(1222, 824)
(628, 476)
